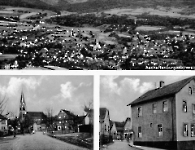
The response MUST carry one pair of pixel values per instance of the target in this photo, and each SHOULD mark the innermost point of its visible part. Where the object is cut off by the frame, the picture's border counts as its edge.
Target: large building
(165, 116)
(66, 121)
(37, 119)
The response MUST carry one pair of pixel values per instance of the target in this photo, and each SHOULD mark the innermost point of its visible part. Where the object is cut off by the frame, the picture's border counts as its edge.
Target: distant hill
(95, 5)
(27, 3)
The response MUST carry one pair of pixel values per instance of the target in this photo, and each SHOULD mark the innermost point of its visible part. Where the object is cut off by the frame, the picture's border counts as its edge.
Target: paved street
(36, 141)
(119, 145)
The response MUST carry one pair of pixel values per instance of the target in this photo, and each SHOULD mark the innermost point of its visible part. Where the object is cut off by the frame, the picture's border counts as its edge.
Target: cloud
(82, 84)
(67, 90)
(127, 84)
(135, 85)
(117, 92)
(16, 84)
(108, 83)
(71, 97)
(14, 87)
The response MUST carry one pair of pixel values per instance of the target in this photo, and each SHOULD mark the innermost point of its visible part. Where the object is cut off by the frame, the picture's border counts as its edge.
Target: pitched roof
(119, 124)
(103, 113)
(80, 119)
(2, 117)
(167, 90)
(36, 114)
(128, 119)
(70, 114)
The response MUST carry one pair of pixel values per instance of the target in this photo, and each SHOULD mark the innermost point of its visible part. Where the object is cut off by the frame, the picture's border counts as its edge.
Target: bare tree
(3, 102)
(49, 113)
(88, 106)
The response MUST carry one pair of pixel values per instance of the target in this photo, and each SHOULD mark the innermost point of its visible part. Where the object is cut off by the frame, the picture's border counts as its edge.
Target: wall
(183, 117)
(150, 133)
(113, 131)
(106, 124)
(3, 125)
(128, 125)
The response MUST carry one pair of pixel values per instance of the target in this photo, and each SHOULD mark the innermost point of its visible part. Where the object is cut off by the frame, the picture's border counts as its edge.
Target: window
(190, 91)
(3, 122)
(193, 109)
(154, 108)
(139, 132)
(185, 129)
(151, 125)
(192, 130)
(160, 130)
(165, 106)
(139, 109)
(105, 127)
(184, 106)
(193, 89)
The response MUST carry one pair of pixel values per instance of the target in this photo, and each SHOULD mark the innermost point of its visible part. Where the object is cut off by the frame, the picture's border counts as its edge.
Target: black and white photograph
(46, 112)
(97, 34)
(147, 112)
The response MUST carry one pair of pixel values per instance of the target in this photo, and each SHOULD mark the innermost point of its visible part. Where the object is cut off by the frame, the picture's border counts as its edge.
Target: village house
(165, 117)
(38, 119)
(128, 129)
(3, 124)
(104, 122)
(117, 130)
(68, 122)
(65, 121)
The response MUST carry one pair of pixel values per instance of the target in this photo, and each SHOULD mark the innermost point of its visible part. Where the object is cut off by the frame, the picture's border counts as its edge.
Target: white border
(96, 85)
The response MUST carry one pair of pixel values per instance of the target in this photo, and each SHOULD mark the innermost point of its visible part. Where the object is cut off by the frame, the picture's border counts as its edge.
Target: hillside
(27, 3)
(96, 5)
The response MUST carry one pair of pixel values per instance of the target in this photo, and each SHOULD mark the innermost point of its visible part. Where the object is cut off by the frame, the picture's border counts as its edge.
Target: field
(160, 11)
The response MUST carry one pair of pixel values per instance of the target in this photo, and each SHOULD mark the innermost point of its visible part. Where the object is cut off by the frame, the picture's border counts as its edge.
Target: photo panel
(47, 112)
(147, 111)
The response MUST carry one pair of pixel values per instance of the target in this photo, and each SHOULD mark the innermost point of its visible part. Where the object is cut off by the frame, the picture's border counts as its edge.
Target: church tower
(22, 112)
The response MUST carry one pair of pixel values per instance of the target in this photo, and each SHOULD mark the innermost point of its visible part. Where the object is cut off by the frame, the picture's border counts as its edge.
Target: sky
(116, 92)
(55, 92)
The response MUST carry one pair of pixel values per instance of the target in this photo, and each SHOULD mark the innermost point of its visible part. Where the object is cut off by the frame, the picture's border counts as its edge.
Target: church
(33, 119)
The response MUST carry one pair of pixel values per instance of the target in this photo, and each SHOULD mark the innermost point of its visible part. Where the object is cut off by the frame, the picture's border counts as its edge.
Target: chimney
(162, 83)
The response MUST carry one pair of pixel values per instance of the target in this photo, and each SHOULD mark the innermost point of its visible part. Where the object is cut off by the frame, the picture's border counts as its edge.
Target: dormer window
(190, 90)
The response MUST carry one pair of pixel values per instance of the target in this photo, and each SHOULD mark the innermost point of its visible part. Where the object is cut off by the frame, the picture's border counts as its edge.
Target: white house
(104, 122)
(3, 124)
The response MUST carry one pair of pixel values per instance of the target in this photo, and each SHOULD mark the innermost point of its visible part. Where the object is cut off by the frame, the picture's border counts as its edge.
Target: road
(36, 141)
(119, 145)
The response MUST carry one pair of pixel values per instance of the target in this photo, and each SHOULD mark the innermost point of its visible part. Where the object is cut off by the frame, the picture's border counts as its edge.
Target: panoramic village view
(147, 113)
(46, 112)
(97, 34)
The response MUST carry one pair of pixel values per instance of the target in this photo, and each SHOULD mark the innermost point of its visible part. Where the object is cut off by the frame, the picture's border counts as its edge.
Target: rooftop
(166, 90)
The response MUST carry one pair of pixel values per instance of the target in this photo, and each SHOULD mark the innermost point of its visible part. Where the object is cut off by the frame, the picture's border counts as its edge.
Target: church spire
(22, 107)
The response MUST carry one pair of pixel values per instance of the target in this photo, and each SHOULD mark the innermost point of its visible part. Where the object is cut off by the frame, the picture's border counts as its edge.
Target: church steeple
(22, 107)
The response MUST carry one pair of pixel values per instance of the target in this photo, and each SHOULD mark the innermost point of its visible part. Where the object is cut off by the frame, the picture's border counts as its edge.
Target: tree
(49, 113)
(3, 102)
(88, 106)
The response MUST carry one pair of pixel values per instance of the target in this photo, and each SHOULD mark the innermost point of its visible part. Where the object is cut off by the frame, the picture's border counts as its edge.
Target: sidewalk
(144, 148)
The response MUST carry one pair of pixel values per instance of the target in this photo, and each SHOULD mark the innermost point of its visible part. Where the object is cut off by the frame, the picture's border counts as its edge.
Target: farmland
(119, 38)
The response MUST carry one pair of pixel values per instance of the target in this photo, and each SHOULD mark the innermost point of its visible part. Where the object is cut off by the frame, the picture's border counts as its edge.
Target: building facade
(104, 122)
(128, 129)
(165, 117)
(3, 124)
(65, 121)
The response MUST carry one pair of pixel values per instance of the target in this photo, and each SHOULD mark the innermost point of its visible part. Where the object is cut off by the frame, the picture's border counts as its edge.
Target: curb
(135, 147)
